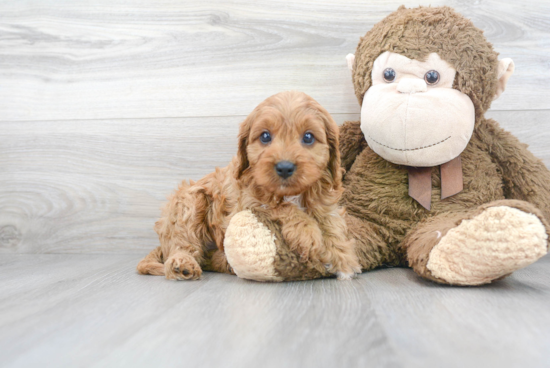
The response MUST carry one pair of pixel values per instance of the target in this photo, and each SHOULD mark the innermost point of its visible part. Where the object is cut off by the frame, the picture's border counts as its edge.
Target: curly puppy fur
(198, 214)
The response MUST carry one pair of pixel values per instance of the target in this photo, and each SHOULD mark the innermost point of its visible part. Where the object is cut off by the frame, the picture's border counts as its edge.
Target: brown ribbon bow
(420, 181)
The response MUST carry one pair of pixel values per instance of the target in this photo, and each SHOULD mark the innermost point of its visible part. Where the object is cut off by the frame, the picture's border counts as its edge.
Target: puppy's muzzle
(285, 169)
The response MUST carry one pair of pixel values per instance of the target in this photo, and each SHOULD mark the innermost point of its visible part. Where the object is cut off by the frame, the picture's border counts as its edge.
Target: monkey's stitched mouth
(409, 149)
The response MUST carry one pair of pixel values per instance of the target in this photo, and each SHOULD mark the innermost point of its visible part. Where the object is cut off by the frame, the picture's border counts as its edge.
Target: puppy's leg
(152, 264)
(220, 264)
(184, 232)
(300, 231)
(324, 240)
(338, 251)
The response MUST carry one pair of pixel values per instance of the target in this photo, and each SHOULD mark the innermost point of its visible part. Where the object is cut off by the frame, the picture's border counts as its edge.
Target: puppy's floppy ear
(332, 132)
(242, 155)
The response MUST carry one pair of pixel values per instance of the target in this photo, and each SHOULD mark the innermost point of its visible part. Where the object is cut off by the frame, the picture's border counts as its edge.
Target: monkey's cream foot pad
(250, 248)
(491, 245)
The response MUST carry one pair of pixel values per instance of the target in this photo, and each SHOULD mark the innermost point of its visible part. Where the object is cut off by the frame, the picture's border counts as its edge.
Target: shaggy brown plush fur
(198, 214)
(498, 170)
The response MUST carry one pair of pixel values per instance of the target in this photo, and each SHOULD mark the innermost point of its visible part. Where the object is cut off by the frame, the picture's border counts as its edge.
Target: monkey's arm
(352, 142)
(525, 176)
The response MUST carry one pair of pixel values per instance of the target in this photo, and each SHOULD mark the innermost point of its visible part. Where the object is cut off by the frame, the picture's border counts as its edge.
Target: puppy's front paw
(345, 270)
(182, 267)
(307, 243)
(344, 275)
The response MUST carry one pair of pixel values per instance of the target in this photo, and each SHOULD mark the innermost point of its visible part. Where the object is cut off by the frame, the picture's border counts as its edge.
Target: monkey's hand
(525, 176)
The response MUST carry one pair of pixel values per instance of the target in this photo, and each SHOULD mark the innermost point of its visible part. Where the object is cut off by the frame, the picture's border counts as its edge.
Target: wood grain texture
(95, 311)
(97, 186)
(107, 59)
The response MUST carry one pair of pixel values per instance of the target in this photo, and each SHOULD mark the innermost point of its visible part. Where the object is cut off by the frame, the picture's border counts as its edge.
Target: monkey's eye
(265, 137)
(308, 138)
(389, 75)
(431, 77)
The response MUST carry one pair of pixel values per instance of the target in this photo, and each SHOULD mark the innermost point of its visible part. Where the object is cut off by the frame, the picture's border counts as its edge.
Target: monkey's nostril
(285, 169)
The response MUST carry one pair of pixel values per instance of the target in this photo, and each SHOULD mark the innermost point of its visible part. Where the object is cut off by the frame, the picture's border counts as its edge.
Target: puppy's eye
(431, 77)
(389, 75)
(265, 137)
(308, 138)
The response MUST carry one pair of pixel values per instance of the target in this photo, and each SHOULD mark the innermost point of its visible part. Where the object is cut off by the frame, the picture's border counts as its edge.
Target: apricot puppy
(288, 167)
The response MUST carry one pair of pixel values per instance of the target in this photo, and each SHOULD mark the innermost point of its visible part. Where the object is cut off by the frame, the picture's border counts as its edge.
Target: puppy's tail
(152, 264)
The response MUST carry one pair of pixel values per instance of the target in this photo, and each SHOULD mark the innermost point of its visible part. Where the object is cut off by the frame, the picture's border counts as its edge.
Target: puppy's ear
(333, 132)
(242, 156)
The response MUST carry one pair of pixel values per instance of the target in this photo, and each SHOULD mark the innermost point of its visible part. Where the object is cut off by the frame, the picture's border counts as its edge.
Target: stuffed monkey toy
(430, 183)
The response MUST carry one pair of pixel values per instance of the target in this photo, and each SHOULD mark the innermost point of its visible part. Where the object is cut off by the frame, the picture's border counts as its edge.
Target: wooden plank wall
(106, 105)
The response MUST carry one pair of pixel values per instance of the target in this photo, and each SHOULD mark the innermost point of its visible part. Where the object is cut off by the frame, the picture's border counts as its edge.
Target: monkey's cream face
(411, 115)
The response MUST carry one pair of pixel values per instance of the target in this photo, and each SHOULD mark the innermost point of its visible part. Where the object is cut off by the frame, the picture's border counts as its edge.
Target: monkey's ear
(505, 70)
(351, 61)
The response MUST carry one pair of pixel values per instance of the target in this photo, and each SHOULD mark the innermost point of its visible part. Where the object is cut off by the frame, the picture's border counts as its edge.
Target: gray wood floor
(106, 105)
(95, 311)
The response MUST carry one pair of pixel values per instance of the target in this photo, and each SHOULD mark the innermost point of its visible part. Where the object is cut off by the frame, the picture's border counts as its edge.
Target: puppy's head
(289, 143)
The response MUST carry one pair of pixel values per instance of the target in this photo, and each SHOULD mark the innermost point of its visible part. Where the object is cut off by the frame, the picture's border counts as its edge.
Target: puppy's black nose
(285, 169)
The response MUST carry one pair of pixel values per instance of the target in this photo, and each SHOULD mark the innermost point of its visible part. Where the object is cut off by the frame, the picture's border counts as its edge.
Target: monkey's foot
(488, 247)
(250, 248)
